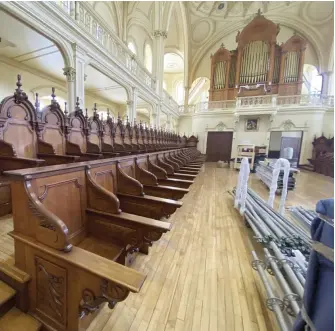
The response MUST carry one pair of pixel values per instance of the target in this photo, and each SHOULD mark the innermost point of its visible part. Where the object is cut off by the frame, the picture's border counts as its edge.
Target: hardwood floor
(199, 274)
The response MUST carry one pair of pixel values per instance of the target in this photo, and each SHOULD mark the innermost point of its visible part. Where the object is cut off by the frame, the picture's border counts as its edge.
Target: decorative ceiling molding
(197, 26)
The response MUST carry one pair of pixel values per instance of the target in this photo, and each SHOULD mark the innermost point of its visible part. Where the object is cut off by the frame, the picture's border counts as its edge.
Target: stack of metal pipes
(285, 258)
(303, 217)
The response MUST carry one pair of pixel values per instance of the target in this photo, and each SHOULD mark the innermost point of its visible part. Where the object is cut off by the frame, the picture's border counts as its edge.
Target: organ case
(259, 65)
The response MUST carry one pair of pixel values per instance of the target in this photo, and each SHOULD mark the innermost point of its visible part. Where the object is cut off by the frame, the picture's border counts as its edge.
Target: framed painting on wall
(251, 124)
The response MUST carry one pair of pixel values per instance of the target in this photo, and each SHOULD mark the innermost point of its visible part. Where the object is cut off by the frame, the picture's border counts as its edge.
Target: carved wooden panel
(78, 138)
(94, 138)
(54, 136)
(65, 196)
(106, 177)
(118, 137)
(51, 291)
(128, 168)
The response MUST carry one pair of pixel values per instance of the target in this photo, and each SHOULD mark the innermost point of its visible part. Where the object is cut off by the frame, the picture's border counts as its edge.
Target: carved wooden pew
(50, 131)
(107, 136)
(68, 233)
(150, 181)
(76, 138)
(118, 134)
(137, 146)
(17, 140)
(163, 172)
(117, 177)
(95, 135)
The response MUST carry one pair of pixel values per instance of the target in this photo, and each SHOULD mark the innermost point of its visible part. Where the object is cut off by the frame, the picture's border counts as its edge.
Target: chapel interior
(166, 165)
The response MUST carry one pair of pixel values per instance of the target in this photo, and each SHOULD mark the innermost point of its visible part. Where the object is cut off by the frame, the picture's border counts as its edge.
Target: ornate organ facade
(258, 66)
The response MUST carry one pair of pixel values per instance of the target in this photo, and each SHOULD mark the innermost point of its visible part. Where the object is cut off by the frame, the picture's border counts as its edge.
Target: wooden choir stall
(87, 196)
(258, 66)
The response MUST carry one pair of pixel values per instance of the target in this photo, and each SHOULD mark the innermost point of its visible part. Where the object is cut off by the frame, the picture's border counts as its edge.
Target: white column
(187, 93)
(326, 82)
(158, 65)
(70, 74)
(158, 112)
(132, 105)
(80, 59)
(169, 122)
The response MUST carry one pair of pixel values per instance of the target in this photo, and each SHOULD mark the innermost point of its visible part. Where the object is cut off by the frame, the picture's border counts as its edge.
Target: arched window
(312, 81)
(180, 93)
(132, 47)
(148, 57)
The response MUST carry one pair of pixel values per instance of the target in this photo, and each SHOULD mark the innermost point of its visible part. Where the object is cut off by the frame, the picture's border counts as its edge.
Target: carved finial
(222, 45)
(19, 95)
(86, 113)
(37, 103)
(259, 13)
(53, 95)
(102, 117)
(95, 114)
(65, 108)
(118, 117)
(77, 105)
(127, 119)
(107, 113)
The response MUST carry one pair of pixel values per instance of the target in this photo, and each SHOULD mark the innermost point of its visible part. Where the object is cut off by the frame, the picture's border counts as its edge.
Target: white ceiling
(22, 44)
(173, 63)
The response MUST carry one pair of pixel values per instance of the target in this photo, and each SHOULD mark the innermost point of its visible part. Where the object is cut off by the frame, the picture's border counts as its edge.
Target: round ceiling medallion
(201, 31)
(319, 13)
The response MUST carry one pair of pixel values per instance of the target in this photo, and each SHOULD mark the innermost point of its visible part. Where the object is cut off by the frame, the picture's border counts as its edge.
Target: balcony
(83, 13)
(265, 104)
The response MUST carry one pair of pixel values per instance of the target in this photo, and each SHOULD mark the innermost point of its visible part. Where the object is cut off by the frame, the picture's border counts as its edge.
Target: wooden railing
(265, 101)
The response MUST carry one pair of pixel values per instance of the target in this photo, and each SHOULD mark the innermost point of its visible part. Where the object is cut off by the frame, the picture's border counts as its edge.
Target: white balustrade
(85, 15)
(264, 101)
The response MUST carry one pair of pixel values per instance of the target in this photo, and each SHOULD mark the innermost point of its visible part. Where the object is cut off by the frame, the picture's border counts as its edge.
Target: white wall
(312, 122)
(328, 124)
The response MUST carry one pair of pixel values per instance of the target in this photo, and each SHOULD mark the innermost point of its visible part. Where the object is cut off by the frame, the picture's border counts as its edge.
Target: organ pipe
(258, 60)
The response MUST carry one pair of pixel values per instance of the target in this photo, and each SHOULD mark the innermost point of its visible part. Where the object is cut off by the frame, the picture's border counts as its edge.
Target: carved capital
(160, 33)
(70, 74)
(130, 103)
(110, 292)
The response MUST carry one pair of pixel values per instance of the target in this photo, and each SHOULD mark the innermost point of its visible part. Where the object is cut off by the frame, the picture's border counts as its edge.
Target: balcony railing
(86, 17)
(265, 101)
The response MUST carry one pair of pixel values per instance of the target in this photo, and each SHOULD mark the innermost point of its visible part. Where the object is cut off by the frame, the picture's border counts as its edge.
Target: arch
(113, 13)
(312, 80)
(29, 19)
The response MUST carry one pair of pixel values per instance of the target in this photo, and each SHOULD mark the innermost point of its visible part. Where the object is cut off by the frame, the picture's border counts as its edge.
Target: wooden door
(219, 146)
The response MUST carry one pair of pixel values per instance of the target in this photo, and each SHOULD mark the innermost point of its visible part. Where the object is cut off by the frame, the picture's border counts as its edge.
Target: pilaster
(80, 59)
(158, 65)
(70, 74)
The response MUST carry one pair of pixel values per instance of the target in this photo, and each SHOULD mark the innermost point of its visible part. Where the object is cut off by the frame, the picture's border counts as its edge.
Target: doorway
(286, 144)
(219, 146)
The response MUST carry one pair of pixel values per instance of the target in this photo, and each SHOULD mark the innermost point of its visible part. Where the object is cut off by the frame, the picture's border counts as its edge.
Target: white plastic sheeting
(285, 165)
(242, 185)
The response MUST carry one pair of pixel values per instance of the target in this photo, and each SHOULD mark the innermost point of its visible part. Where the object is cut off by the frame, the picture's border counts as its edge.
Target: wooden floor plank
(199, 275)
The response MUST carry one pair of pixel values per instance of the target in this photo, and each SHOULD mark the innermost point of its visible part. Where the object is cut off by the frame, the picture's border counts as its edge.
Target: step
(16, 320)
(6, 293)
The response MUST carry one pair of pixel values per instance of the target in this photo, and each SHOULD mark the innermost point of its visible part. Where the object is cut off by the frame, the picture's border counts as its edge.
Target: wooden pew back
(17, 123)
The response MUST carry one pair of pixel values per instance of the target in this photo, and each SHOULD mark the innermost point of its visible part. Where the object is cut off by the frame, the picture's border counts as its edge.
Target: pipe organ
(259, 65)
